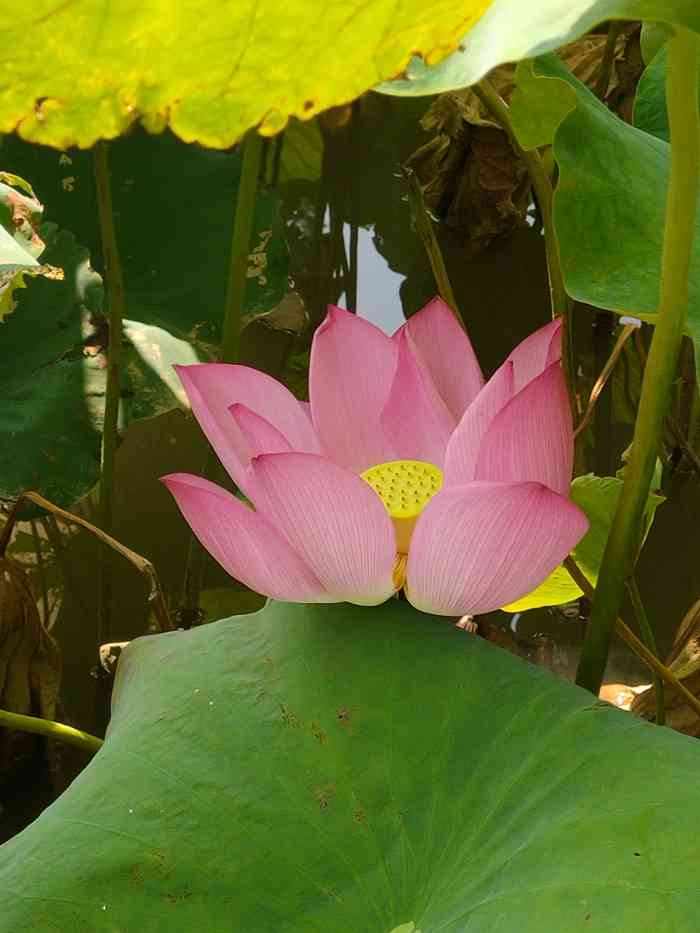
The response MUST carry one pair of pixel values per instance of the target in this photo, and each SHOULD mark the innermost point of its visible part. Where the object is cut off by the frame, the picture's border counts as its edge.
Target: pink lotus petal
(463, 449)
(445, 351)
(350, 375)
(415, 419)
(261, 436)
(245, 544)
(333, 519)
(213, 387)
(484, 545)
(534, 354)
(531, 438)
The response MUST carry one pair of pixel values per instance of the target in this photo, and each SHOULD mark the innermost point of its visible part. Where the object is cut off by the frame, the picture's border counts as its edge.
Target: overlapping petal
(535, 353)
(531, 438)
(261, 436)
(213, 387)
(245, 544)
(350, 376)
(332, 519)
(483, 545)
(463, 448)
(415, 419)
(446, 355)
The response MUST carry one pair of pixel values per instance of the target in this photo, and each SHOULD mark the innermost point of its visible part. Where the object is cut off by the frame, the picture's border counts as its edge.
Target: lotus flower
(403, 471)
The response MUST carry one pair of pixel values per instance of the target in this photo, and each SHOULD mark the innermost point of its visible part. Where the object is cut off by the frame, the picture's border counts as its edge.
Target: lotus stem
(54, 536)
(605, 374)
(603, 82)
(631, 640)
(424, 228)
(51, 730)
(561, 304)
(144, 566)
(240, 247)
(253, 147)
(39, 552)
(625, 533)
(647, 631)
(115, 298)
(277, 149)
(671, 423)
(351, 286)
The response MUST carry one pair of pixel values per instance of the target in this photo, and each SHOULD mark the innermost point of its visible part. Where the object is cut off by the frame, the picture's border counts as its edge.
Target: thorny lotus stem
(647, 631)
(631, 640)
(625, 534)
(424, 228)
(115, 298)
(240, 246)
(155, 595)
(605, 374)
(561, 303)
(52, 730)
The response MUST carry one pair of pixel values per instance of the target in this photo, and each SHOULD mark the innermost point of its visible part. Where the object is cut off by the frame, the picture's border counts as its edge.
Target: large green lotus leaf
(597, 496)
(90, 72)
(53, 377)
(613, 179)
(650, 113)
(539, 103)
(353, 770)
(174, 208)
(511, 30)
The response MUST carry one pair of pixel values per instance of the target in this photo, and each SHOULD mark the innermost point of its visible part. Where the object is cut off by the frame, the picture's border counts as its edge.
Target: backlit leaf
(613, 177)
(210, 74)
(598, 497)
(512, 30)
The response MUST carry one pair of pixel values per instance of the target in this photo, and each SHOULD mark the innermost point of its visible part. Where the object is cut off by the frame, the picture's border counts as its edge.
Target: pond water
(503, 294)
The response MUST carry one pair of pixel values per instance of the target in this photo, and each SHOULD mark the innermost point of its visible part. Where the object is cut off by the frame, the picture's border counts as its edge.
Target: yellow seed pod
(405, 487)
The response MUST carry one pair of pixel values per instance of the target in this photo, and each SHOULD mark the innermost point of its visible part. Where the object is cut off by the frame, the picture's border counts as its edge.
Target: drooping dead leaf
(30, 661)
(33, 770)
(469, 172)
(471, 176)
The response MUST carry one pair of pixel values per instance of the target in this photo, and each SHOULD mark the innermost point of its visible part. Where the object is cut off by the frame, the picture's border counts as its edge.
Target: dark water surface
(503, 294)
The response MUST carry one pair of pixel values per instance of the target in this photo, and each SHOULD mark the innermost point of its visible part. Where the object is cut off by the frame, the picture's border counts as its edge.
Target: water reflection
(378, 286)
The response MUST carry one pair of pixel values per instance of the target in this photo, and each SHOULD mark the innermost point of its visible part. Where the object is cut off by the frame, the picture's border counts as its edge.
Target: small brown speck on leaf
(325, 795)
(319, 733)
(288, 717)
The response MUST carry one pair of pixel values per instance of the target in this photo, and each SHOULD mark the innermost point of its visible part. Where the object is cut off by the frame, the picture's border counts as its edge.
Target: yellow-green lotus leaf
(74, 72)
